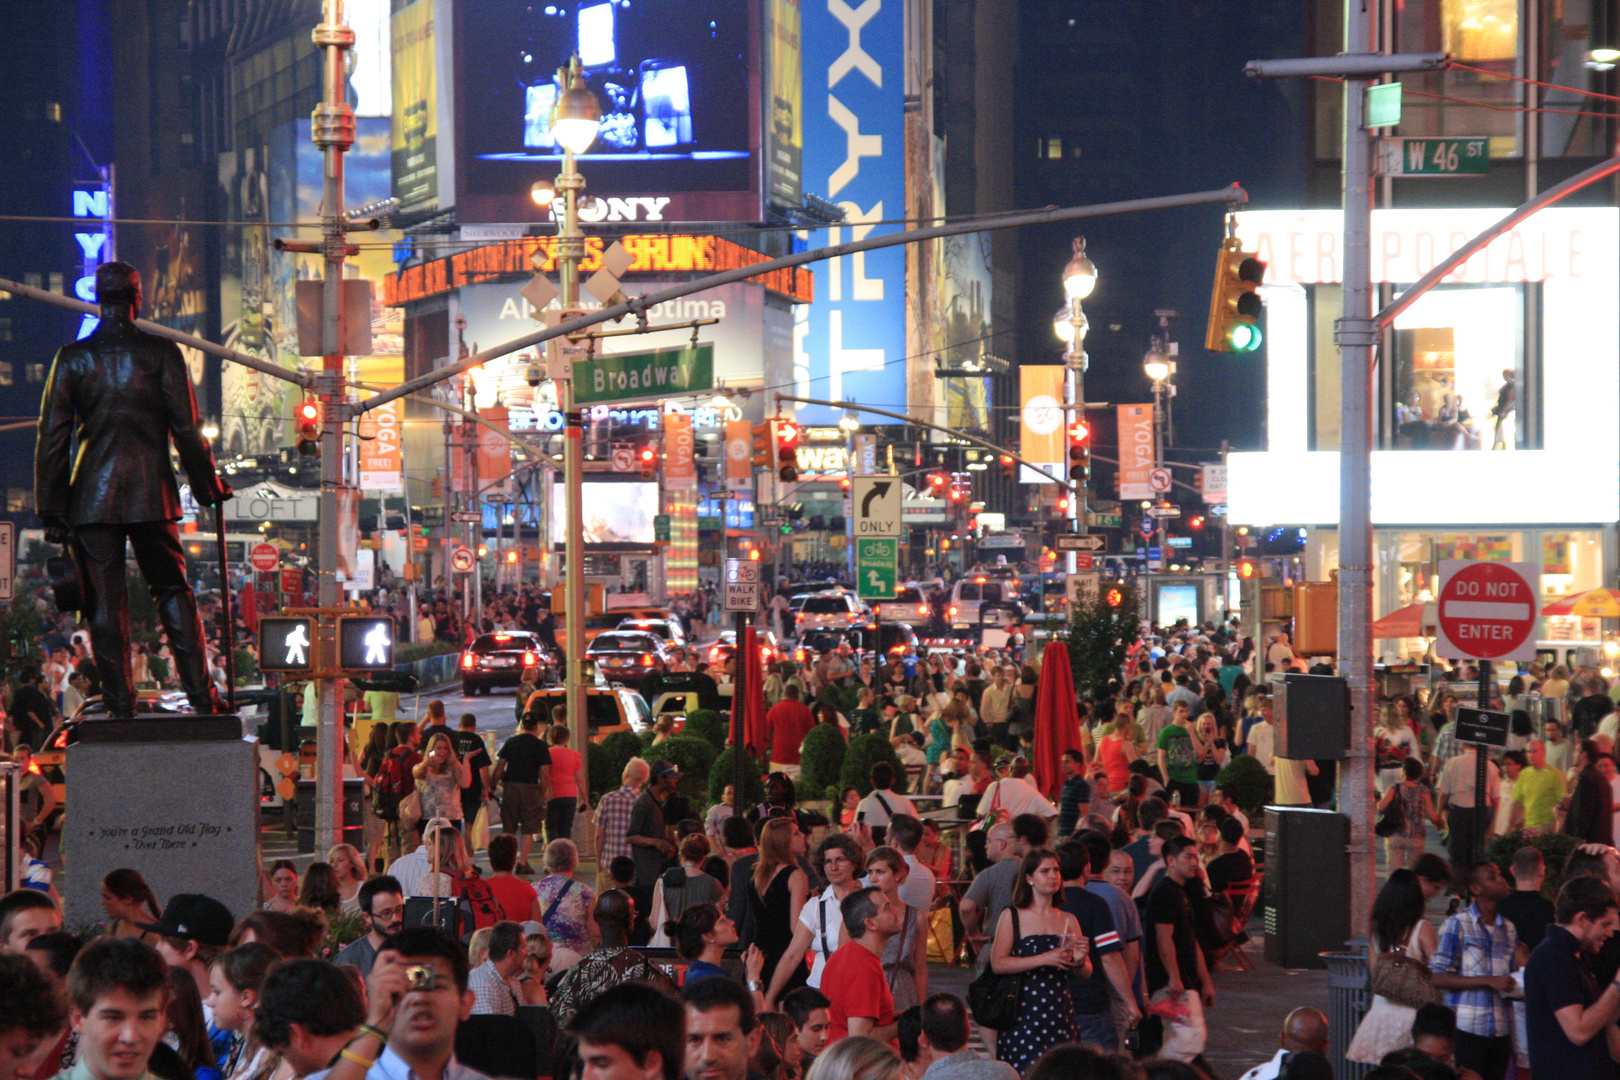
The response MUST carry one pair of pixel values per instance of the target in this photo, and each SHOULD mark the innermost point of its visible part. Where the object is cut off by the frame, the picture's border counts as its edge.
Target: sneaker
(525, 870)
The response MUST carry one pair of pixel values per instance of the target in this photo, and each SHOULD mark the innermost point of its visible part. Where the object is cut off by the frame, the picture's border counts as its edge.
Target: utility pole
(1356, 334)
(332, 128)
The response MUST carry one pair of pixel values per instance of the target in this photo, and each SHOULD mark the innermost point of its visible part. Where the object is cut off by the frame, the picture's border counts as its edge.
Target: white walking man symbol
(297, 644)
(376, 641)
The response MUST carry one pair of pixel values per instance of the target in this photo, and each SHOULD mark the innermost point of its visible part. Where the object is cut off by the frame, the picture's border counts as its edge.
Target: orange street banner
(1041, 434)
(494, 452)
(739, 455)
(382, 456)
(1136, 456)
(680, 470)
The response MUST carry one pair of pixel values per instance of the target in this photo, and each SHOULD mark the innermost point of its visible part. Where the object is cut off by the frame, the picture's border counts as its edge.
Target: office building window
(1482, 34)
(36, 372)
(5, 329)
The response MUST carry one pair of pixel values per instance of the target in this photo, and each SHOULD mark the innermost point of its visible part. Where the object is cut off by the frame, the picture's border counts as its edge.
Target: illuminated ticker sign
(649, 254)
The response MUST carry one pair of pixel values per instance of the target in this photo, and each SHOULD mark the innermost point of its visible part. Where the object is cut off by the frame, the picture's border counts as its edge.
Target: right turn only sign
(1488, 610)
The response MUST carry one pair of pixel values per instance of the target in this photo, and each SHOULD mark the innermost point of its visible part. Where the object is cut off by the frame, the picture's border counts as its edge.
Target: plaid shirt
(1471, 949)
(1445, 746)
(613, 822)
(491, 995)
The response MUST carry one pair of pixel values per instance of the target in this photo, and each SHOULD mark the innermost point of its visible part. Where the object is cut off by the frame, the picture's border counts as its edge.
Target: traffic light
(956, 491)
(647, 457)
(511, 556)
(1009, 467)
(1247, 569)
(764, 447)
(785, 434)
(309, 427)
(1114, 597)
(483, 550)
(1063, 506)
(936, 484)
(1196, 522)
(1079, 451)
(1234, 305)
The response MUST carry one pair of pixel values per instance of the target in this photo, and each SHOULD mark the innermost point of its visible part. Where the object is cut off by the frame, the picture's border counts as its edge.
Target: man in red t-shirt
(786, 725)
(859, 999)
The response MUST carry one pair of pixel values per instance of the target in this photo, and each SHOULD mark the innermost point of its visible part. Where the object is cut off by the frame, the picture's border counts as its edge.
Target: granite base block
(185, 813)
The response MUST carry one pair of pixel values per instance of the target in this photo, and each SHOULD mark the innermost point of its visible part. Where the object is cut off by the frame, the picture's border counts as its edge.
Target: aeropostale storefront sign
(1307, 246)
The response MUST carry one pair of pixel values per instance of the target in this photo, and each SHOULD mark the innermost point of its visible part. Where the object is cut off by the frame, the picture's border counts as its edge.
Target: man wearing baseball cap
(193, 932)
(649, 840)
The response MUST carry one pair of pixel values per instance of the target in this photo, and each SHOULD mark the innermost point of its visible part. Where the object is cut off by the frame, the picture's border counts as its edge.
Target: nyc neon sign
(94, 247)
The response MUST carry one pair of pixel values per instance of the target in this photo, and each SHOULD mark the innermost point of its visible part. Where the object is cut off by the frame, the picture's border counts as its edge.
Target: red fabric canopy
(1413, 620)
(249, 605)
(753, 705)
(1057, 719)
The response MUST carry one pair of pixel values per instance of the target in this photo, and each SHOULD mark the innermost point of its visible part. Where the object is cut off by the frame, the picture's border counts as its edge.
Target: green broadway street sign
(876, 568)
(679, 369)
(1436, 157)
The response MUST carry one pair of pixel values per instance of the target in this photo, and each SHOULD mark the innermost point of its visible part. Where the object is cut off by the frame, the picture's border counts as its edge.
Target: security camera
(532, 375)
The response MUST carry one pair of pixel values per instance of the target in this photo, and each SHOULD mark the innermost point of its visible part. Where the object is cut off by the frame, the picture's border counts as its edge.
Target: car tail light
(503, 637)
(468, 660)
(646, 661)
(33, 767)
(529, 659)
(922, 609)
(61, 740)
(897, 649)
(952, 611)
(714, 654)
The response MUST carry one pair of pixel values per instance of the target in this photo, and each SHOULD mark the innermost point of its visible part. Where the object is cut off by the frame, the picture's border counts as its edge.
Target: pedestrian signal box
(287, 644)
(365, 643)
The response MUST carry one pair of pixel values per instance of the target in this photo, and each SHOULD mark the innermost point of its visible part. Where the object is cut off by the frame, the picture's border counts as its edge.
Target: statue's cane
(228, 632)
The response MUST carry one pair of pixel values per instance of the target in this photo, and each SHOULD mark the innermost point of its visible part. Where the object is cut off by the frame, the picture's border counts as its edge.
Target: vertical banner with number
(1136, 455)
(382, 459)
(739, 455)
(494, 452)
(680, 472)
(1041, 421)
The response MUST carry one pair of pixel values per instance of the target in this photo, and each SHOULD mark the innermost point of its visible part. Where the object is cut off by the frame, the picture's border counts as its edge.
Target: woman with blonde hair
(349, 868)
(440, 779)
(778, 889)
(857, 1057)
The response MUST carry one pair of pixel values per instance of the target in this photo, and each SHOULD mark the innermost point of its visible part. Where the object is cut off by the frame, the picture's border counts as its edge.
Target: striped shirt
(1470, 948)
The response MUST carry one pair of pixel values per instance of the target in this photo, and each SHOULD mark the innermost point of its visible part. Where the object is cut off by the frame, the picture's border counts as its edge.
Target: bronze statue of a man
(102, 476)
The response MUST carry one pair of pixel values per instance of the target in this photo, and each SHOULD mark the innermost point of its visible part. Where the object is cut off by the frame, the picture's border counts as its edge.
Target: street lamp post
(574, 121)
(1159, 368)
(1079, 279)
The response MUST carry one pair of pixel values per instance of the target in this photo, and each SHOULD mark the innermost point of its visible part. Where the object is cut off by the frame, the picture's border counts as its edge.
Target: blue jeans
(1098, 1030)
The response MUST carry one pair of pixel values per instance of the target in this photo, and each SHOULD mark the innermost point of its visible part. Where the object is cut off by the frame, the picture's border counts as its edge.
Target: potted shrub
(865, 751)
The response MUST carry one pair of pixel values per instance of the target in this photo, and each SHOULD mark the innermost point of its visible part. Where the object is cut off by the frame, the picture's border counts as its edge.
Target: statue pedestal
(175, 797)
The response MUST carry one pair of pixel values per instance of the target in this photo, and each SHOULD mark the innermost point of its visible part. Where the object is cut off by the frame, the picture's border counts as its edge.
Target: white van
(968, 594)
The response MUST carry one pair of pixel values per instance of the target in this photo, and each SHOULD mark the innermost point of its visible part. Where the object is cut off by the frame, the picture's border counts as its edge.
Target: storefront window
(1568, 126)
(1456, 379)
(1480, 33)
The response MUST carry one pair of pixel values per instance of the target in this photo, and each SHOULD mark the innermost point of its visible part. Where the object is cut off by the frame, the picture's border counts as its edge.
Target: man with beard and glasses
(382, 903)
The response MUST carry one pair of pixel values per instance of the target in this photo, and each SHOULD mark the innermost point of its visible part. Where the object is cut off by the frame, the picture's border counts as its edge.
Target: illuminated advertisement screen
(615, 512)
(676, 81)
(1177, 602)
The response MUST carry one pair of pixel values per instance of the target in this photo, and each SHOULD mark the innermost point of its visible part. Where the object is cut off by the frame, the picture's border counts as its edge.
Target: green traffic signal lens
(1244, 338)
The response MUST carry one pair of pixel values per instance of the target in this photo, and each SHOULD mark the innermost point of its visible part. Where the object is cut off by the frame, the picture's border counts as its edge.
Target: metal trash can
(1348, 1001)
(354, 816)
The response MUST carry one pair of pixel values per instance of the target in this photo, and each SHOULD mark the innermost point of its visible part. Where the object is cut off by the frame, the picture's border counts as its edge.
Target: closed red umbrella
(753, 705)
(1057, 719)
(249, 606)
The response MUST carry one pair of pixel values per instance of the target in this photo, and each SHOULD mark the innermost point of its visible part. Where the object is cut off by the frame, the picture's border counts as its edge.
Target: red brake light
(33, 767)
(503, 637)
(646, 661)
(529, 659)
(467, 660)
(952, 611)
(898, 649)
(922, 609)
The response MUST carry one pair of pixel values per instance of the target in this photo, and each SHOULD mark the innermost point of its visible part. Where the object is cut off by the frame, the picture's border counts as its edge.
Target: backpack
(394, 782)
(474, 893)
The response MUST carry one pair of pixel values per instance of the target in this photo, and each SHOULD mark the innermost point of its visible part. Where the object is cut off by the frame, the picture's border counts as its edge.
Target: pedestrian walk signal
(287, 644)
(365, 643)
(1234, 305)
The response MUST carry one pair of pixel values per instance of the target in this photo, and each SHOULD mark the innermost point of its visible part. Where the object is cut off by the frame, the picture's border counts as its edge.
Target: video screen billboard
(678, 85)
(615, 512)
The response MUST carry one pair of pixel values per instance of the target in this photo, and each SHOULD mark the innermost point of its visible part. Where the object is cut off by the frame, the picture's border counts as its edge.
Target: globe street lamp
(574, 120)
(1070, 325)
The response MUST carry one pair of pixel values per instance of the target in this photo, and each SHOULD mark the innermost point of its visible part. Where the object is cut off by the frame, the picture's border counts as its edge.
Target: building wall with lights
(1526, 467)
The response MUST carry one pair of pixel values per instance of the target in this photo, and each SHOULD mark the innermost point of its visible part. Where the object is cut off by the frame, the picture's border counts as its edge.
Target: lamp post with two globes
(1070, 325)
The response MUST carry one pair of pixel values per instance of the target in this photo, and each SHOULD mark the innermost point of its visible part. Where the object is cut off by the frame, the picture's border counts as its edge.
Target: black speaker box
(1312, 716)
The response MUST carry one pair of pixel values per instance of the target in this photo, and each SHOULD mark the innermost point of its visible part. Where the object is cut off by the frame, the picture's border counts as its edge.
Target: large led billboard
(678, 85)
(615, 512)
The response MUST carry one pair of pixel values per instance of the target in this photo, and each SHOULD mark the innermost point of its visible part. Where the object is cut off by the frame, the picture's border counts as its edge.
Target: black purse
(993, 998)
(1393, 819)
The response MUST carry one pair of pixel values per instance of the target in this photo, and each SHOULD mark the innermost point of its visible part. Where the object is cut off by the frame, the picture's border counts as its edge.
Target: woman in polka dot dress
(1043, 942)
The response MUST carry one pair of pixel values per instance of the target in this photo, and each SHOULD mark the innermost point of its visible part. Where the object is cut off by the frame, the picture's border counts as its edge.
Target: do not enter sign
(1488, 610)
(264, 557)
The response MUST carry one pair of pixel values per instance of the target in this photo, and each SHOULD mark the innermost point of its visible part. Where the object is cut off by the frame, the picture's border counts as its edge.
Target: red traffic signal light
(1113, 597)
(308, 419)
(1195, 523)
(785, 433)
(936, 480)
(648, 459)
(1246, 568)
(1009, 466)
(1079, 451)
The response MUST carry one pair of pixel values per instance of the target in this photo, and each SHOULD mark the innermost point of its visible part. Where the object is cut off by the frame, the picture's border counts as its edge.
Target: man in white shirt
(1280, 652)
(1303, 1030)
(1016, 797)
(877, 808)
(411, 870)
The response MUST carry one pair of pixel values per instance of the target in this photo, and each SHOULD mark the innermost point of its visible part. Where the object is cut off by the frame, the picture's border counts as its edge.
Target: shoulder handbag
(993, 998)
(1402, 979)
(1393, 819)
